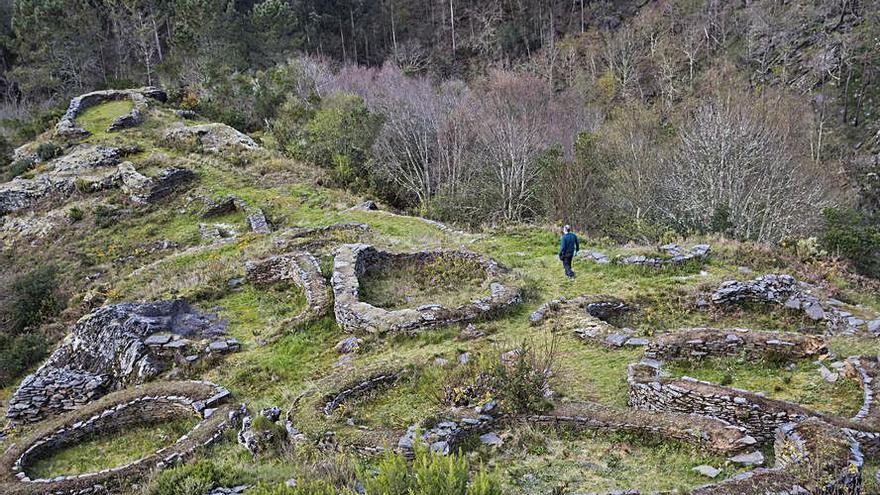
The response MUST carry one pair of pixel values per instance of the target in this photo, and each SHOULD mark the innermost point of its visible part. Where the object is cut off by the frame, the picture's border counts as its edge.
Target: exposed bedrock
(115, 347)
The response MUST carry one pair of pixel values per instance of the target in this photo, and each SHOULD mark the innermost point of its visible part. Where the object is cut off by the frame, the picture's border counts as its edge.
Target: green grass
(549, 461)
(448, 281)
(110, 450)
(801, 384)
(97, 119)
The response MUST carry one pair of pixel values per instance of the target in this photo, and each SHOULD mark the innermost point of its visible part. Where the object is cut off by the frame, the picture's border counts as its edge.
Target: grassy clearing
(798, 382)
(447, 280)
(560, 461)
(98, 118)
(110, 450)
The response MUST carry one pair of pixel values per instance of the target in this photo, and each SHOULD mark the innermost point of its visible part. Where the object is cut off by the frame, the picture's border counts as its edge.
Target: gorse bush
(18, 353)
(196, 478)
(33, 298)
(18, 167)
(519, 378)
(429, 474)
(48, 151)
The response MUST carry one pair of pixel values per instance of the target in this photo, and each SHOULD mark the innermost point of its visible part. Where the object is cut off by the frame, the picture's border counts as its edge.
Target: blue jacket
(569, 246)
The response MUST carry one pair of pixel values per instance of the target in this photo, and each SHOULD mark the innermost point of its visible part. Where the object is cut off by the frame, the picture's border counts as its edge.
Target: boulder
(210, 138)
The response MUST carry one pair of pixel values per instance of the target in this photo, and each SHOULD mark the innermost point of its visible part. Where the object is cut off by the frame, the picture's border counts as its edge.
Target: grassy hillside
(107, 253)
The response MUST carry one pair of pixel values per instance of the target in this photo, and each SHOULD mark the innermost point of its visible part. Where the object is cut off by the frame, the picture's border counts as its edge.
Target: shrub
(309, 487)
(519, 377)
(105, 216)
(429, 474)
(854, 235)
(75, 214)
(33, 298)
(197, 478)
(339, 137)
(48, 151)
(18, 353)
(19, 167)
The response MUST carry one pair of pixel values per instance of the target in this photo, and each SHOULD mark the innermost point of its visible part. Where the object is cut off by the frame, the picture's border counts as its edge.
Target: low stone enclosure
(785, 290)
(68, 127)
(114, 347)
(147, 404)
(354, 260)
(301, 269)
(587, 317)
(675, 255)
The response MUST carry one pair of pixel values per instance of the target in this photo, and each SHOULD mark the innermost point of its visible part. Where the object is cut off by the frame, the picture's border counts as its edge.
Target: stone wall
(209, 138)
(68, 127)
(353, 260)
(695, 344)
(301, 269)
(675, 255)
(148, 404)
(785, 290)
(585, 316)
(114, 347)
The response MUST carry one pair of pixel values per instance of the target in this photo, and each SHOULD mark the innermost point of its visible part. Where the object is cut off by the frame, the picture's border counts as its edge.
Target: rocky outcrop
(148, 404)
(94, 166)
(785, 290)
(210, 138)
(68, 127)
(115, 347)
(353, 260)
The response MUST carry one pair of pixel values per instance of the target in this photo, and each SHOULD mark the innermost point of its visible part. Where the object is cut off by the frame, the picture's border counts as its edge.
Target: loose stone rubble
(445, 436)
(676, 255)
(586, 317)
(151, 403)
(353, 260)
(68, 127)
(209, 138)
(800, 296)
(115, 347)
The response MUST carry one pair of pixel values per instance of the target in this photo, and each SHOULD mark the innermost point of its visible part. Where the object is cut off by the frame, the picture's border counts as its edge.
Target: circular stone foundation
(354, 262)
(148, 404)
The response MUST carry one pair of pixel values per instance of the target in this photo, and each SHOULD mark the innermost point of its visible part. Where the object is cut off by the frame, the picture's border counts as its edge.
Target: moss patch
(97, 119)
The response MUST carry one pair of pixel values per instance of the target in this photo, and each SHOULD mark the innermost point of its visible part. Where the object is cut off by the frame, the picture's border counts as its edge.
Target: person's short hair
(566, 229)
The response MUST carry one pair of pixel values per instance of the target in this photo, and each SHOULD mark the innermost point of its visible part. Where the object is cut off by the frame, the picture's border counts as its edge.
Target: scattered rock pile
(353, 260)
(445, 436)
(792, 294)
(586, 317)
(115, 347)
(68, 127)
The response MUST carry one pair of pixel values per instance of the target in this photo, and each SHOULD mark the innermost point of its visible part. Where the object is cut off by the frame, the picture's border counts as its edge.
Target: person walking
(568, 247)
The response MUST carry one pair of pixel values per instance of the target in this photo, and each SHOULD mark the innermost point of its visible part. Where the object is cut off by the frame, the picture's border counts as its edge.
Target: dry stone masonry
(148, 404)
(785, 290)
(115, 347)
(68, 127)
(587, 317)
(675, 255)
(352, 262)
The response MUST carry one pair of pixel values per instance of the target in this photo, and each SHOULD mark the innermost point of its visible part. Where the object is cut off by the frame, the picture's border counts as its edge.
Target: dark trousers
(566, 263)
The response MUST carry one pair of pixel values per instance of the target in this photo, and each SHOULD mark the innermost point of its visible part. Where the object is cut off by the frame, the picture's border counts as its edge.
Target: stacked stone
(115, 347)
(153, 404)
(353, 260)
(697, 343)
(310, 238)
(333, 401)
(713, 434)
(67, 126)
(299, 268)
(676, 256)
(787, 291)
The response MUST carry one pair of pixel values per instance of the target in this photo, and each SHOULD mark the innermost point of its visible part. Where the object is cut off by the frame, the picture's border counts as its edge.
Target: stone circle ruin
(142, 405)
(353, 261)
(674, 255)
(68, 127)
